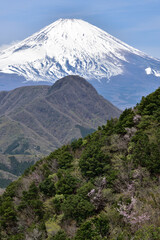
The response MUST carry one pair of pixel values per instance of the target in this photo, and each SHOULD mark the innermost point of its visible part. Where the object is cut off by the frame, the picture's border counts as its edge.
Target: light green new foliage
(52, 225)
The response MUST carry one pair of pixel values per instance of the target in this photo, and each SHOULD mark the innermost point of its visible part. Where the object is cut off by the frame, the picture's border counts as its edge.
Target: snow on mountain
(67, 46)
(73, 46)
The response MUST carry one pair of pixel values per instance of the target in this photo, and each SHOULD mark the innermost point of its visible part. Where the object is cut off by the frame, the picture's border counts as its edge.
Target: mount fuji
(119, 72)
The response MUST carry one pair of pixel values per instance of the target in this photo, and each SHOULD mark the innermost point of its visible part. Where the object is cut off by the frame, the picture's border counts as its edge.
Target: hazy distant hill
(35, 120)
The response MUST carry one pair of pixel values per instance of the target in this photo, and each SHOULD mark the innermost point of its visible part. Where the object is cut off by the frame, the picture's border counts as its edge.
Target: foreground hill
(105, 186)
(121, 73)
(36, 120)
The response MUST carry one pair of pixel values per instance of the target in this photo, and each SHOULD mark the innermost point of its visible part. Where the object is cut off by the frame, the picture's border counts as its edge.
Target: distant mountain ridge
(118, 71)
(35, 120)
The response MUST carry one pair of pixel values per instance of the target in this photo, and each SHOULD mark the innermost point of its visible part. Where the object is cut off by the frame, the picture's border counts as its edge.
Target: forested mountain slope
(105, 186)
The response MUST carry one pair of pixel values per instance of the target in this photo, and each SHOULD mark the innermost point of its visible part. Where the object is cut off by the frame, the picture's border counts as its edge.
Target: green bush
(47, 187)
(76, 144)
(30, 199)
(60, 236)
(8, 215)
(63, 157)
(66, 183)
(145, 152)
(125, 120)
(86, 231)
(110, 126)
(148, 233)
(94, 229)
(150, 105)
(85, 189)
(77, 208)
(19, 236)
(57, 203)
(92, 161)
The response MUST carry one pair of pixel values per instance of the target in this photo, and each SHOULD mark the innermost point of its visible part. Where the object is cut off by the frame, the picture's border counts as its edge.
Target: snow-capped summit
(67, 46)
(73, 46)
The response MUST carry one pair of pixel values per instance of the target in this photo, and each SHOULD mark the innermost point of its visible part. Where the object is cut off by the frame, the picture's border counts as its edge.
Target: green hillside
(103, 187)
(35, 120)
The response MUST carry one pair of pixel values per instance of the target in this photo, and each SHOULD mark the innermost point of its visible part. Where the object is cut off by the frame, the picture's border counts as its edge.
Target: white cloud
(5, 46)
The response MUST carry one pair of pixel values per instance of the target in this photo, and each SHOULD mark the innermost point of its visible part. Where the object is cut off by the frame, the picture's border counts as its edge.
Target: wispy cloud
(5, 46)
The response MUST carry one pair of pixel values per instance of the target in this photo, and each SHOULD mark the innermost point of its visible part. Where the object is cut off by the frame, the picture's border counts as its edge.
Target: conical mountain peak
(67, 46)
(75, 47)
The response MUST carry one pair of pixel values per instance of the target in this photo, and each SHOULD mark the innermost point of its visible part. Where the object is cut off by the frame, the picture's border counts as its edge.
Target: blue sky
(134, 22)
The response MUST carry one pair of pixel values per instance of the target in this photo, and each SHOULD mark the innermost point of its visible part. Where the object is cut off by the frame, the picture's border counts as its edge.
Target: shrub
(77, 208)
(147, 233)
(63, 156)
(145, 152)
(47, 187)
(60, 236)
(76, 144)
(31, 199)
(57, 202)
(8, 216)
(92, 161)
(150, 105)
(66, 183)
(125, 120)
(85, 189)
(95, 229)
